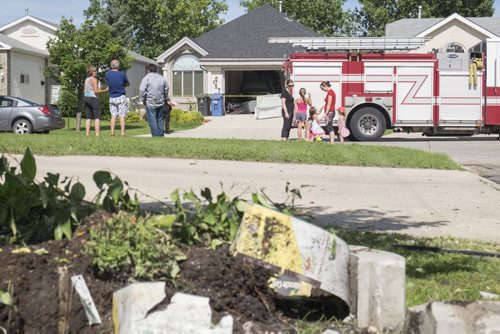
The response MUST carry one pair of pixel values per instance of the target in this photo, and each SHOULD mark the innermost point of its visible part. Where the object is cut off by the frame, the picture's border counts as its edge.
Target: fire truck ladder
(335, 43)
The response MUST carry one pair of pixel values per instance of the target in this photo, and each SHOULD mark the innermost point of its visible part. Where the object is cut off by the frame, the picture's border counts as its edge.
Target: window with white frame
(455, 47)
(187, 76)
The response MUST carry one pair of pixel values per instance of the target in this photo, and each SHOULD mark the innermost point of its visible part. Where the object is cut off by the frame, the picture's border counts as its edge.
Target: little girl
(315, 130)
(343, 130)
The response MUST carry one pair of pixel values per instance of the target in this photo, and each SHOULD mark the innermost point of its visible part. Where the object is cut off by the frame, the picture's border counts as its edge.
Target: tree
(74, 49)
(149, 27)
(325, 17)
(374, 15)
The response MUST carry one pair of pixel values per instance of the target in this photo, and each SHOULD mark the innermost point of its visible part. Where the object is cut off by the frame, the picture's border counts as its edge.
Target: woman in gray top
(91, 103)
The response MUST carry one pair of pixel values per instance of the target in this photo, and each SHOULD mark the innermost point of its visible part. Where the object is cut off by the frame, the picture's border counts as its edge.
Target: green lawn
(70, 142)
(131, 129)
(437, 276)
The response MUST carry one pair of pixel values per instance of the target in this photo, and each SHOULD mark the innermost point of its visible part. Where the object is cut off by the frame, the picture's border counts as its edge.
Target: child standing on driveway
(343, 130)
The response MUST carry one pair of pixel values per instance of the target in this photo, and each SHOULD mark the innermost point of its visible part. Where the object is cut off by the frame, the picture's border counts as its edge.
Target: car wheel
(22, 126)
(367, 124)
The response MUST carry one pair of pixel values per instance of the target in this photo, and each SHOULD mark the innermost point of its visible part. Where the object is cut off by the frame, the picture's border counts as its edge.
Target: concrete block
(133, 302)
(454, 317)
(377, 282)
(186, 314)
(331, 331)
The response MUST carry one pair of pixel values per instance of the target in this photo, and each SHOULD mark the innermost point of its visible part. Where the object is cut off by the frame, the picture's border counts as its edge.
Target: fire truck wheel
(367, 124)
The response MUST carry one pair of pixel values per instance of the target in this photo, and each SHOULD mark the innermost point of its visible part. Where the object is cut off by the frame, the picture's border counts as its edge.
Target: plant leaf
(41, 251)
(207, 194)
(165, 221)
(77, 192)
(43, 196)
(28, 165)
(115, 190)
(101, 178)
(6, 298)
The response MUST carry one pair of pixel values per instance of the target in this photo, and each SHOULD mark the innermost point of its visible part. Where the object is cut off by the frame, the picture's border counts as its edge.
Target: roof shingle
(408, 28)
(247, 36)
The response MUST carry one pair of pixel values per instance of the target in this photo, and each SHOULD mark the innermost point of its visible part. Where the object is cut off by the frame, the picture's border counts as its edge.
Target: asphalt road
(480, 154)
(412, 201)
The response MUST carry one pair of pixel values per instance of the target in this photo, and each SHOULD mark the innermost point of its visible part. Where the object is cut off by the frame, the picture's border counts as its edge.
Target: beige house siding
(135, 74)
(453, 32)
(31, 33)
(4, 79)
(24, 64)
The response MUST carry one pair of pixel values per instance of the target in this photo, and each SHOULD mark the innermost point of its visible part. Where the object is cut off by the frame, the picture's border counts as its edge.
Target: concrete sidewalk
(417, 202)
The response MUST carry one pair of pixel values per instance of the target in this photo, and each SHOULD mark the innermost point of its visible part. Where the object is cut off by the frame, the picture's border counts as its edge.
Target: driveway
(412, 201)
(480, 154)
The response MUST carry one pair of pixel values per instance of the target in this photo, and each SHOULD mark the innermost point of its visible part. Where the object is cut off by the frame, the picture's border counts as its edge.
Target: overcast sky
(53, 10)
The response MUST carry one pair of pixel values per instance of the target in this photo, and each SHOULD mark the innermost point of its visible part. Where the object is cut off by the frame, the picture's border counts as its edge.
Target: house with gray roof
(24, 57)
(454, 33)
(234, 58)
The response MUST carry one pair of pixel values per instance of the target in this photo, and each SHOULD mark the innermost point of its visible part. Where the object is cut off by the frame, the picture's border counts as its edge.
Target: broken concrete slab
(454, 317)
(186, 314)
(377, 280)
(133, 302)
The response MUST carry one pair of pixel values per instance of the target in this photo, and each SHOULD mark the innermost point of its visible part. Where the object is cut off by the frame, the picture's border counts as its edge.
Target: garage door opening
(243, 87)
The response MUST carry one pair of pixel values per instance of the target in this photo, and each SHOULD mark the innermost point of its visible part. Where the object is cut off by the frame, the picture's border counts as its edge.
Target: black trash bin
(204, 104)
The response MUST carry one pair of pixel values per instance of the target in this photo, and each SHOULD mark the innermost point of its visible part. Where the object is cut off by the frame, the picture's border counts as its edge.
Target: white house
(234, 58)
(453, 33)
(24, 56)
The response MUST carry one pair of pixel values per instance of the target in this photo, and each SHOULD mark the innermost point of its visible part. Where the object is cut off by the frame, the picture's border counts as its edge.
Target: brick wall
(4, 80)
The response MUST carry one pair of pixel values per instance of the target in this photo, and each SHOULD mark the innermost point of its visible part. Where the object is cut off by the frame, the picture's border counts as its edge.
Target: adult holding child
(287, 109)
(329, 108)
(301, 115)
(91, 102)
(118, 106)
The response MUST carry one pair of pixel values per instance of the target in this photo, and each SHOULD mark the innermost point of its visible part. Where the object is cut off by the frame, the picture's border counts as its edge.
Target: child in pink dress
(343, 130)
(315, 130)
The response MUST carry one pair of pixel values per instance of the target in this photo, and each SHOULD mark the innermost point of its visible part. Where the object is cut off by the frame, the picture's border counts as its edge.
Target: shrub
(34, 211)
(133, 117)
(67, 103)
(179, 116)
(140, 247)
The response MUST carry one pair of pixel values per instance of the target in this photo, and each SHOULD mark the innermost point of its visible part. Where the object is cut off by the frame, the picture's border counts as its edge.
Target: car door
(6, 105)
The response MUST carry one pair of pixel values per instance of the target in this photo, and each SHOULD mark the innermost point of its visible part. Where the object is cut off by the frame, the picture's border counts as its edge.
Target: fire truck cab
(383, 86)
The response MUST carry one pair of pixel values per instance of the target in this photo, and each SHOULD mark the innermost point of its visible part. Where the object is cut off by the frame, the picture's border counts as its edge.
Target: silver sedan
(24, 116)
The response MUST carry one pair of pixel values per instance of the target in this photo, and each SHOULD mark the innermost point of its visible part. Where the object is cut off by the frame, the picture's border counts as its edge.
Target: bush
(104, 105)
(179, 116)
(140, 247)
(32, 211)
(67, 103)
(133, 117)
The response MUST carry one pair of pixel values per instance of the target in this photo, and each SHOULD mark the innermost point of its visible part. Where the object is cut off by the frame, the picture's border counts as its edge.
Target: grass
(437, 276)
(64, 142)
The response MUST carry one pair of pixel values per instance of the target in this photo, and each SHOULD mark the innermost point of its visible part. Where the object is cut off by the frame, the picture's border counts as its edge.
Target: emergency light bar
(335, 43)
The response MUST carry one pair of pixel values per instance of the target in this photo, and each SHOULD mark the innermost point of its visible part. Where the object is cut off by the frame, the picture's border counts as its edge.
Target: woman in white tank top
(91, 103)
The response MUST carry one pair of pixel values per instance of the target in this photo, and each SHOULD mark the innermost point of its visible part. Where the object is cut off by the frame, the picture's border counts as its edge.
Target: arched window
(454, 47)
(187, 76)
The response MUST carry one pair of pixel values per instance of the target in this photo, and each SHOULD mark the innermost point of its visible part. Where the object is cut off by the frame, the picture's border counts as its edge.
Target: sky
(53, 10)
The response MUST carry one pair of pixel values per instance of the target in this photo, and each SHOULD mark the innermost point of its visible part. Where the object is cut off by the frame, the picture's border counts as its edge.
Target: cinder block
(454, 317)
(377, 281)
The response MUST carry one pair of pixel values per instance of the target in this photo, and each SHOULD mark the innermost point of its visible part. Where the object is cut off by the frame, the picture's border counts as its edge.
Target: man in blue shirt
(118, 106)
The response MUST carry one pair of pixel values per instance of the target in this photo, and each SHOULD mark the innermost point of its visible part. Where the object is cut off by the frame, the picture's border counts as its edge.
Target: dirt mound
(235, 285)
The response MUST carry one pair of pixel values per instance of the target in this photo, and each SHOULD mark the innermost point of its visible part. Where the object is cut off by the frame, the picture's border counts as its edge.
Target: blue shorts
(301, 116)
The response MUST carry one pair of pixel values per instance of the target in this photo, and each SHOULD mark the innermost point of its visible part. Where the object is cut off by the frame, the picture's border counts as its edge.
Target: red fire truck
(383, 85)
